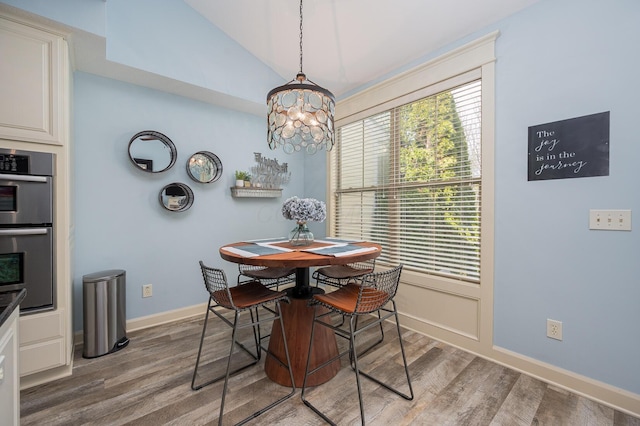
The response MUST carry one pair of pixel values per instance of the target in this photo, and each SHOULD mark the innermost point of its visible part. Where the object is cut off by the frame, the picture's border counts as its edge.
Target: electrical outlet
(554, 329)
(610, 220)
(147, 290)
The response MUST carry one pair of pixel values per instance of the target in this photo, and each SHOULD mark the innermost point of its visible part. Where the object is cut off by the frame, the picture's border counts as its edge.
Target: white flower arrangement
(304, 209)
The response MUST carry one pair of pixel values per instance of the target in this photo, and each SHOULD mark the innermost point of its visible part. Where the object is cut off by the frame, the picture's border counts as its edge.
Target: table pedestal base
(298, 319)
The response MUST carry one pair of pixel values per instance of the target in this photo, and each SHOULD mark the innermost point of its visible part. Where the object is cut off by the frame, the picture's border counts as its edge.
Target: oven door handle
(23, 231)
(24, 178)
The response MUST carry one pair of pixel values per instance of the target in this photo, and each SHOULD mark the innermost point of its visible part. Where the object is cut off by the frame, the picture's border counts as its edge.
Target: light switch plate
(610, 220)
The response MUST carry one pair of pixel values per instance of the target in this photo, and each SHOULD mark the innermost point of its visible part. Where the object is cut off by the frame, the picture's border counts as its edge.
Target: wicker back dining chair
(270, 277)
(247, 297)
(373, 293)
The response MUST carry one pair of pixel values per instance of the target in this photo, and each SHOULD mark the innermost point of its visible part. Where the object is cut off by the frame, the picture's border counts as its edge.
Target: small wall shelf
(237, 192)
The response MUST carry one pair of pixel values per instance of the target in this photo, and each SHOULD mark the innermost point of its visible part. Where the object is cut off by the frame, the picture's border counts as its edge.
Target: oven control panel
(12, 163)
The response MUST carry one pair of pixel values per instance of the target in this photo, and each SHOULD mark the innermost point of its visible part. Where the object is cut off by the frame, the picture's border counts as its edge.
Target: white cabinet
(9, 379)
(42, 338)
(34, 116)
(32, 84)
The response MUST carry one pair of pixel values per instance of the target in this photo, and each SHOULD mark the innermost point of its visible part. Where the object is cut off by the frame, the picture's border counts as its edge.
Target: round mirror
(204, 167)
(176, 197)
(152, 151)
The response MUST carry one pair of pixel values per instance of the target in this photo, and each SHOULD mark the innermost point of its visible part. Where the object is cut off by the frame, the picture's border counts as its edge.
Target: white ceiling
(348, 43)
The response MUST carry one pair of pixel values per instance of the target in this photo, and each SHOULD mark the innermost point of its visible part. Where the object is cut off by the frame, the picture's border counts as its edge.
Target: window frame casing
(476, 58)
(366, 143)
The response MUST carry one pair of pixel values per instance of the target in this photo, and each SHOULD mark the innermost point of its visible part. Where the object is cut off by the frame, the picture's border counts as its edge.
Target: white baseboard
(619, 399)
(611, 396)
(157, 319)
(166, 317)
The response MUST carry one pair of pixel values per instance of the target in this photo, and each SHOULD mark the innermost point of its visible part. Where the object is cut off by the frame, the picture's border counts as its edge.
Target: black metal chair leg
(372, 294)
(404, 356)
(354, 356)
(249, 296)
(404, 361)
(256, 331)
(204, 328)
(373, 345)
(286, 351)
(306, 374)
(226, 378)
(306, 369)
(288, 365)
(255, 357)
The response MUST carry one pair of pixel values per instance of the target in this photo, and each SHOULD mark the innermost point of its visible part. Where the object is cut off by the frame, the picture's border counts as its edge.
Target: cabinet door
(42, 341)
(32, 80)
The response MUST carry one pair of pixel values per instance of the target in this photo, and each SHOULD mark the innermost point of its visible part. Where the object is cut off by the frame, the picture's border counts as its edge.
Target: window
(409, 177)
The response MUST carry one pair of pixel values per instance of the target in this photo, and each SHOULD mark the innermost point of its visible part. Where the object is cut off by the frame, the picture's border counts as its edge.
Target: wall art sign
(577, 147)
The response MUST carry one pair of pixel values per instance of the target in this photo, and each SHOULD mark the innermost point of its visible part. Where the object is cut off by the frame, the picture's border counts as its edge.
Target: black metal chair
(340, 275)
(270, 277)
(246, 297)
(373, 293)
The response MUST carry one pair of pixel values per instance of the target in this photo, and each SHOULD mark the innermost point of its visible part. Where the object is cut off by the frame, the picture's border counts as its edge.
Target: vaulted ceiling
(348, 43)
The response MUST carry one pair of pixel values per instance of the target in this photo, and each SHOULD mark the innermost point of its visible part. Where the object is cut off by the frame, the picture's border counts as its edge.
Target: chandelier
(300, 114)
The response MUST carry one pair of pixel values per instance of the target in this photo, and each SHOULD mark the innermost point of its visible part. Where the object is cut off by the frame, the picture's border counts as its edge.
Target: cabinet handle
(28, 231)
(24, 178)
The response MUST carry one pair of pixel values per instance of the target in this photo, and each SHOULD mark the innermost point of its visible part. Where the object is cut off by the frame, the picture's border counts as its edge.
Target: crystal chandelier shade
(300, 114)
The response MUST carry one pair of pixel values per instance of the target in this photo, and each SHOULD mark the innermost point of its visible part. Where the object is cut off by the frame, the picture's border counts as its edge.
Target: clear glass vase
(301, 235)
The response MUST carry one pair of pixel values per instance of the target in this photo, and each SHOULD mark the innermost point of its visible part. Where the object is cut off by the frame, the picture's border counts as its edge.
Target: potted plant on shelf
(242, 178)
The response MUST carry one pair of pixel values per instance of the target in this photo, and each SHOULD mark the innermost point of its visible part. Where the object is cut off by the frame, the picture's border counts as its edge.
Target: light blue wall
(558, 60)
(169, 38)
(315, 183)
(119, 223)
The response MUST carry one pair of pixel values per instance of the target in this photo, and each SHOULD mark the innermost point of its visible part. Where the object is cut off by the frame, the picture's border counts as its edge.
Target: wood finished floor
(148, 383)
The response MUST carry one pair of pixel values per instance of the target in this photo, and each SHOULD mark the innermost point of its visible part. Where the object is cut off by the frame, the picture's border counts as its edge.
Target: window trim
(461, 64)
(478, 54)
(424, 261)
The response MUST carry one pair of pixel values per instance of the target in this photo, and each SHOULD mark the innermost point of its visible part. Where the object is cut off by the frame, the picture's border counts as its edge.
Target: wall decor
(576, 147)
(176, 197)
(204, 167)
(152, 151)
(268, 173)
(266, 179)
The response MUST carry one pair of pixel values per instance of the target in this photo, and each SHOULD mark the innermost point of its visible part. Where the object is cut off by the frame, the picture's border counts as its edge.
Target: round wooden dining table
(297, 315)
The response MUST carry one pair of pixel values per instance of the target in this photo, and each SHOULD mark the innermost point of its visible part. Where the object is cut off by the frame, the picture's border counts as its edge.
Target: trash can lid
(103, 275)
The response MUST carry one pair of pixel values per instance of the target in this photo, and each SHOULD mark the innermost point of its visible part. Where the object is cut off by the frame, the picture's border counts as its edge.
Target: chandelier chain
(301, 37)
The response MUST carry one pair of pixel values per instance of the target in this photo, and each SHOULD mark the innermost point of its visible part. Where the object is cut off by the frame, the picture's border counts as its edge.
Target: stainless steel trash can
(104, 312)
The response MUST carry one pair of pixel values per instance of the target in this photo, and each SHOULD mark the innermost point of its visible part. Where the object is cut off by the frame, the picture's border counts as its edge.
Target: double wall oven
(26, 227)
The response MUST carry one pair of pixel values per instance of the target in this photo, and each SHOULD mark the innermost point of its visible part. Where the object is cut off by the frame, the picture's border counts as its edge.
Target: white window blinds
(409, 178)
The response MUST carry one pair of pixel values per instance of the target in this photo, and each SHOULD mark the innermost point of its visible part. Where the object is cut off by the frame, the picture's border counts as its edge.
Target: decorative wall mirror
(176, 197)
(204, 167)
(152, 151)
